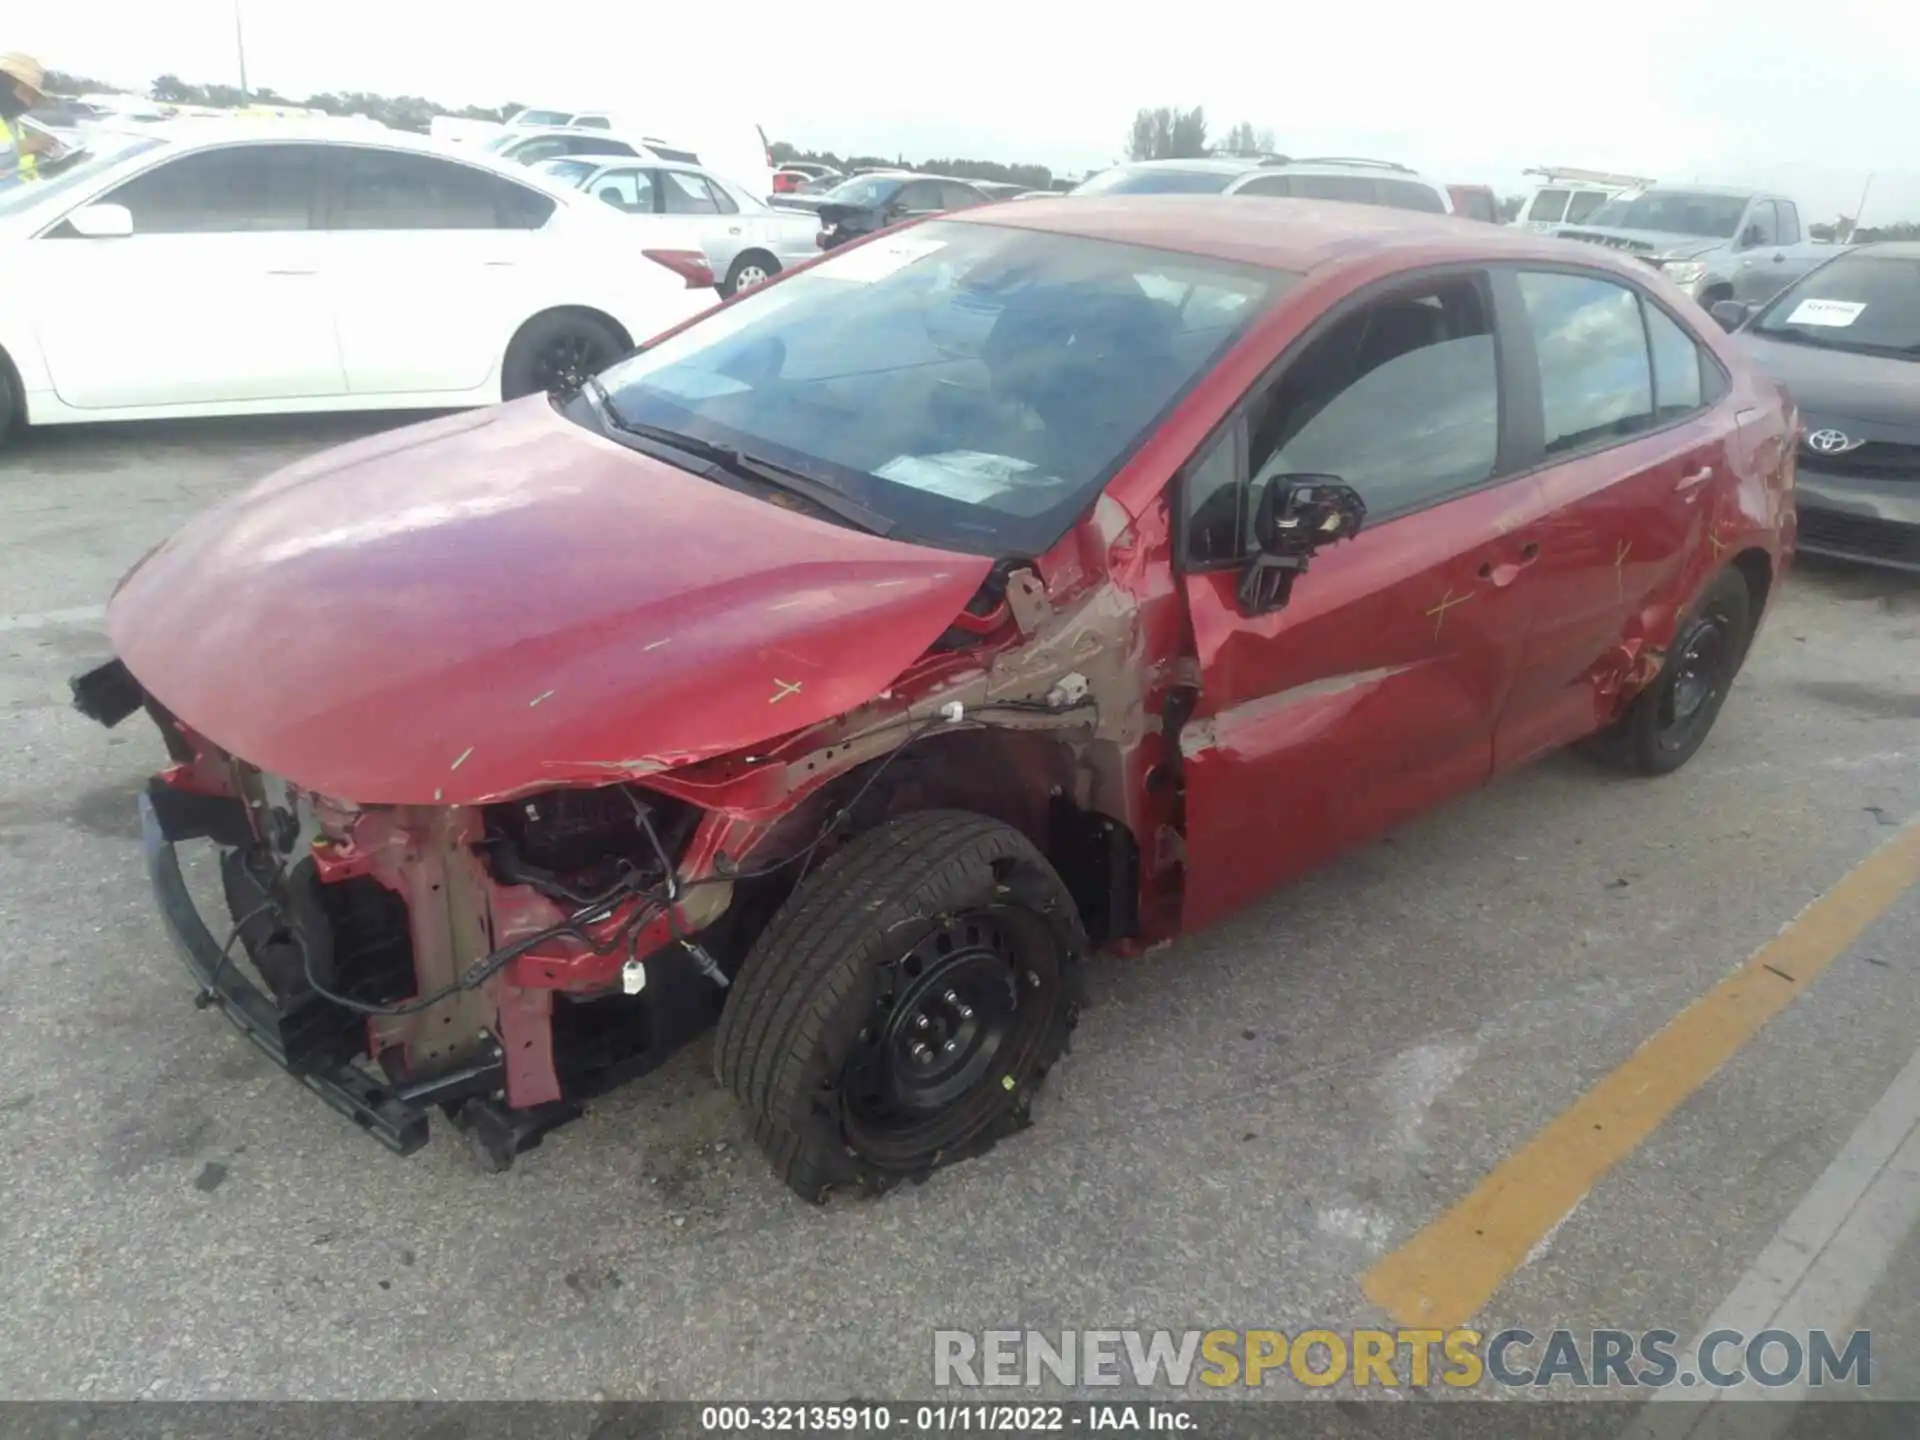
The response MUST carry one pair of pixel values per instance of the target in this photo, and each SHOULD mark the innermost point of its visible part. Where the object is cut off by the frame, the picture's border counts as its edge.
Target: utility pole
(1861, 209)
(240, 45)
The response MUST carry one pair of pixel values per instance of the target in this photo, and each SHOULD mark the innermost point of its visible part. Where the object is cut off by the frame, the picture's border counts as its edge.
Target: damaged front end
(500, 963)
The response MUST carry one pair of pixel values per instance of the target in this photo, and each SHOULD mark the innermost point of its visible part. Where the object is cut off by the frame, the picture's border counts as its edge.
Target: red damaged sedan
(845, 666)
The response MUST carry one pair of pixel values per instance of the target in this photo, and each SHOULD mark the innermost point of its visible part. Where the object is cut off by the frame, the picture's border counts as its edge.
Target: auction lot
(1250, 1121)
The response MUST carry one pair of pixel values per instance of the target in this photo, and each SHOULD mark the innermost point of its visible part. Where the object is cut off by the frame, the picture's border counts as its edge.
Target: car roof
(1735, 192)
(1287, 234)
(1224, 164)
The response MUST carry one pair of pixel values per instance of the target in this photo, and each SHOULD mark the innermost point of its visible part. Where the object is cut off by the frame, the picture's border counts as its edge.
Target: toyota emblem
(1832, 442)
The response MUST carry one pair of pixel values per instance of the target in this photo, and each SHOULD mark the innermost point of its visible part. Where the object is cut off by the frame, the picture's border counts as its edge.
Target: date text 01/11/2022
(943, 1419)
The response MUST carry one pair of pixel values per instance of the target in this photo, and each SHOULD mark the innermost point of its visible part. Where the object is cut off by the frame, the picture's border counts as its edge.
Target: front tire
(903, 1006)
(554, 353)
(1669, 720)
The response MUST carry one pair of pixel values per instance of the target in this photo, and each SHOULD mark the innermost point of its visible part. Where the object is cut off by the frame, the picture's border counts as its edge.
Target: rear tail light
(690, 265)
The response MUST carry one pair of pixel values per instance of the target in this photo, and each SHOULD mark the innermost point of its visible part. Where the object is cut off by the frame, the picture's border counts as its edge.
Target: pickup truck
(1714, 242)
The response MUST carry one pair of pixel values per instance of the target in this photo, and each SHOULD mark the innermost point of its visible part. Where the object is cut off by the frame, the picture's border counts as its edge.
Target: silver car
(746, 241)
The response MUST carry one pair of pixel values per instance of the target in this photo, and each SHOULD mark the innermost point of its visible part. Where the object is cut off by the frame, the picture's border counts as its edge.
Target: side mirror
(1731, 314)
(1296, 516)
(101, 222)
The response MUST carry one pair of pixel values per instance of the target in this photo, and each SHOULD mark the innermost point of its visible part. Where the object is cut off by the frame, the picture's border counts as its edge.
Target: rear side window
(1410, 195)
(688, 194)
(1266, 185)
(959, 197)
(390, 190)
(240, 189)
(1548, 205)
(1595, 379)
(1351, 188)
(1583, 204)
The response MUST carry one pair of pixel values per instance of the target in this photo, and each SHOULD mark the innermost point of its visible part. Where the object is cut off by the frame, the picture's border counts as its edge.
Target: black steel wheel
(902, 1008)
(557, 352)
(1669, 720)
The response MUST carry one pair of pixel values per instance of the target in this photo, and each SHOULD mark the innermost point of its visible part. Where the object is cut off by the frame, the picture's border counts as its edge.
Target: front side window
(1763, 224)
(1266, 185)
(1400, 399)
(1789, 222)
(959, 197)
(1595, 381)
(1678, 365)
(239, 188)
(393, 190)
(978, 384)
(922, 197)
(1354, 189)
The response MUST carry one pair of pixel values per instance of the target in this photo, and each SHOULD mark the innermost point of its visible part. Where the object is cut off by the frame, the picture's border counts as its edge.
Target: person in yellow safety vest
(22, 86)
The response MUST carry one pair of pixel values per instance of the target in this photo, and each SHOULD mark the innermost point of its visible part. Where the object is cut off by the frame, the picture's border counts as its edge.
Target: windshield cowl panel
(977, 385)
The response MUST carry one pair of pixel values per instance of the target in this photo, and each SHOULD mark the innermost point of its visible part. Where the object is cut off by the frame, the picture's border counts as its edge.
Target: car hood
(501, 601)
(1652, 244)
(1831, 385)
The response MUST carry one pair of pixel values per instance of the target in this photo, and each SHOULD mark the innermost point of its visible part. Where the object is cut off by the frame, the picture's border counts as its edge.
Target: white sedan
(746, 241)
(240, 268)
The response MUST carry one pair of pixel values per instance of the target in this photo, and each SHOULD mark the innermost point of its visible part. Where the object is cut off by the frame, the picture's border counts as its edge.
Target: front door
(1634, 426)
(218, 297)
(1373, 693)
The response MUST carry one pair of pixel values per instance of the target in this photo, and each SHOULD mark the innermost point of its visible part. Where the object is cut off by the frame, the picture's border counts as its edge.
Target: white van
(1569, 196)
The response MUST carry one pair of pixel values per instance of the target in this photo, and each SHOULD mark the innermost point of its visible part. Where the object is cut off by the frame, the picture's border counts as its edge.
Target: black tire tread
(803, 967)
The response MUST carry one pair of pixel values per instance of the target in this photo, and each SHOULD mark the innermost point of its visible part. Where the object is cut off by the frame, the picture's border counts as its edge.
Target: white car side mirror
(101, 222)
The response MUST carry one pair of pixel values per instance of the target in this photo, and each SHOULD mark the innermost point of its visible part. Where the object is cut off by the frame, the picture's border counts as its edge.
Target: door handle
(1695, 479)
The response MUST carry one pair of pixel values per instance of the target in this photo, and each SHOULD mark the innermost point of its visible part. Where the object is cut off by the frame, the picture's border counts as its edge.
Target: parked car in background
(1716, 243)
(226, 267)
(734, 148)
(798, 679)
(1568, 196)
(1475, 202)
(528, 145)
(1356, 181)
(814, 193)
(796, 174)
(1845, 341)
(999, 189)
(745, 241)
(868, 203)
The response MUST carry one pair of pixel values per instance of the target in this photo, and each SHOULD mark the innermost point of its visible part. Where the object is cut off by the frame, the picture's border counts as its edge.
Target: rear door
(435, 261)
(1629, 415)
(220, 296)
(1373, 693)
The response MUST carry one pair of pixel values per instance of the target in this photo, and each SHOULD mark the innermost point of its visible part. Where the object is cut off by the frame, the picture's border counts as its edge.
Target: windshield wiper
(741, 464)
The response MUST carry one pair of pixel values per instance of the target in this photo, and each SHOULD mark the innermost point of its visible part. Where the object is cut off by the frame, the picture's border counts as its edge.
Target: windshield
(1864, 302)
(865, 191)
(1673, 212)
(100, 155)
(975, 384)
(1156, 180)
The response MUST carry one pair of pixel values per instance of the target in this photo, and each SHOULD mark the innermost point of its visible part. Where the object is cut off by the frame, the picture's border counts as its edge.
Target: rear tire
(904, 1005)
(755, 267)
(12, 406)
(1669, 720)
(555, 352)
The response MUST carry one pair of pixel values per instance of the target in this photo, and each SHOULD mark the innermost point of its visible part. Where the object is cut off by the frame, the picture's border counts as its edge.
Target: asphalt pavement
(1252, 1120)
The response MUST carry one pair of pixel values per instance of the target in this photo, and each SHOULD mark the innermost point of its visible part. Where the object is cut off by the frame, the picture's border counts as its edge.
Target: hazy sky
(1809, 98)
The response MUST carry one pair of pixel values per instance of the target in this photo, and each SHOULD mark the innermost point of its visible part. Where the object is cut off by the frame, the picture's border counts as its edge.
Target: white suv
(1361, 182)
(1358, 182)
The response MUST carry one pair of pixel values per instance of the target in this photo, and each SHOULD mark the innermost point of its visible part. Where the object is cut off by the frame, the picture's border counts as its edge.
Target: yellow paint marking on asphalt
(1443, 1275)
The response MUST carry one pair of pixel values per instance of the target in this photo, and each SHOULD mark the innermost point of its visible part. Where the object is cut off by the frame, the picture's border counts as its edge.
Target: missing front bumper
(397, 1121)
